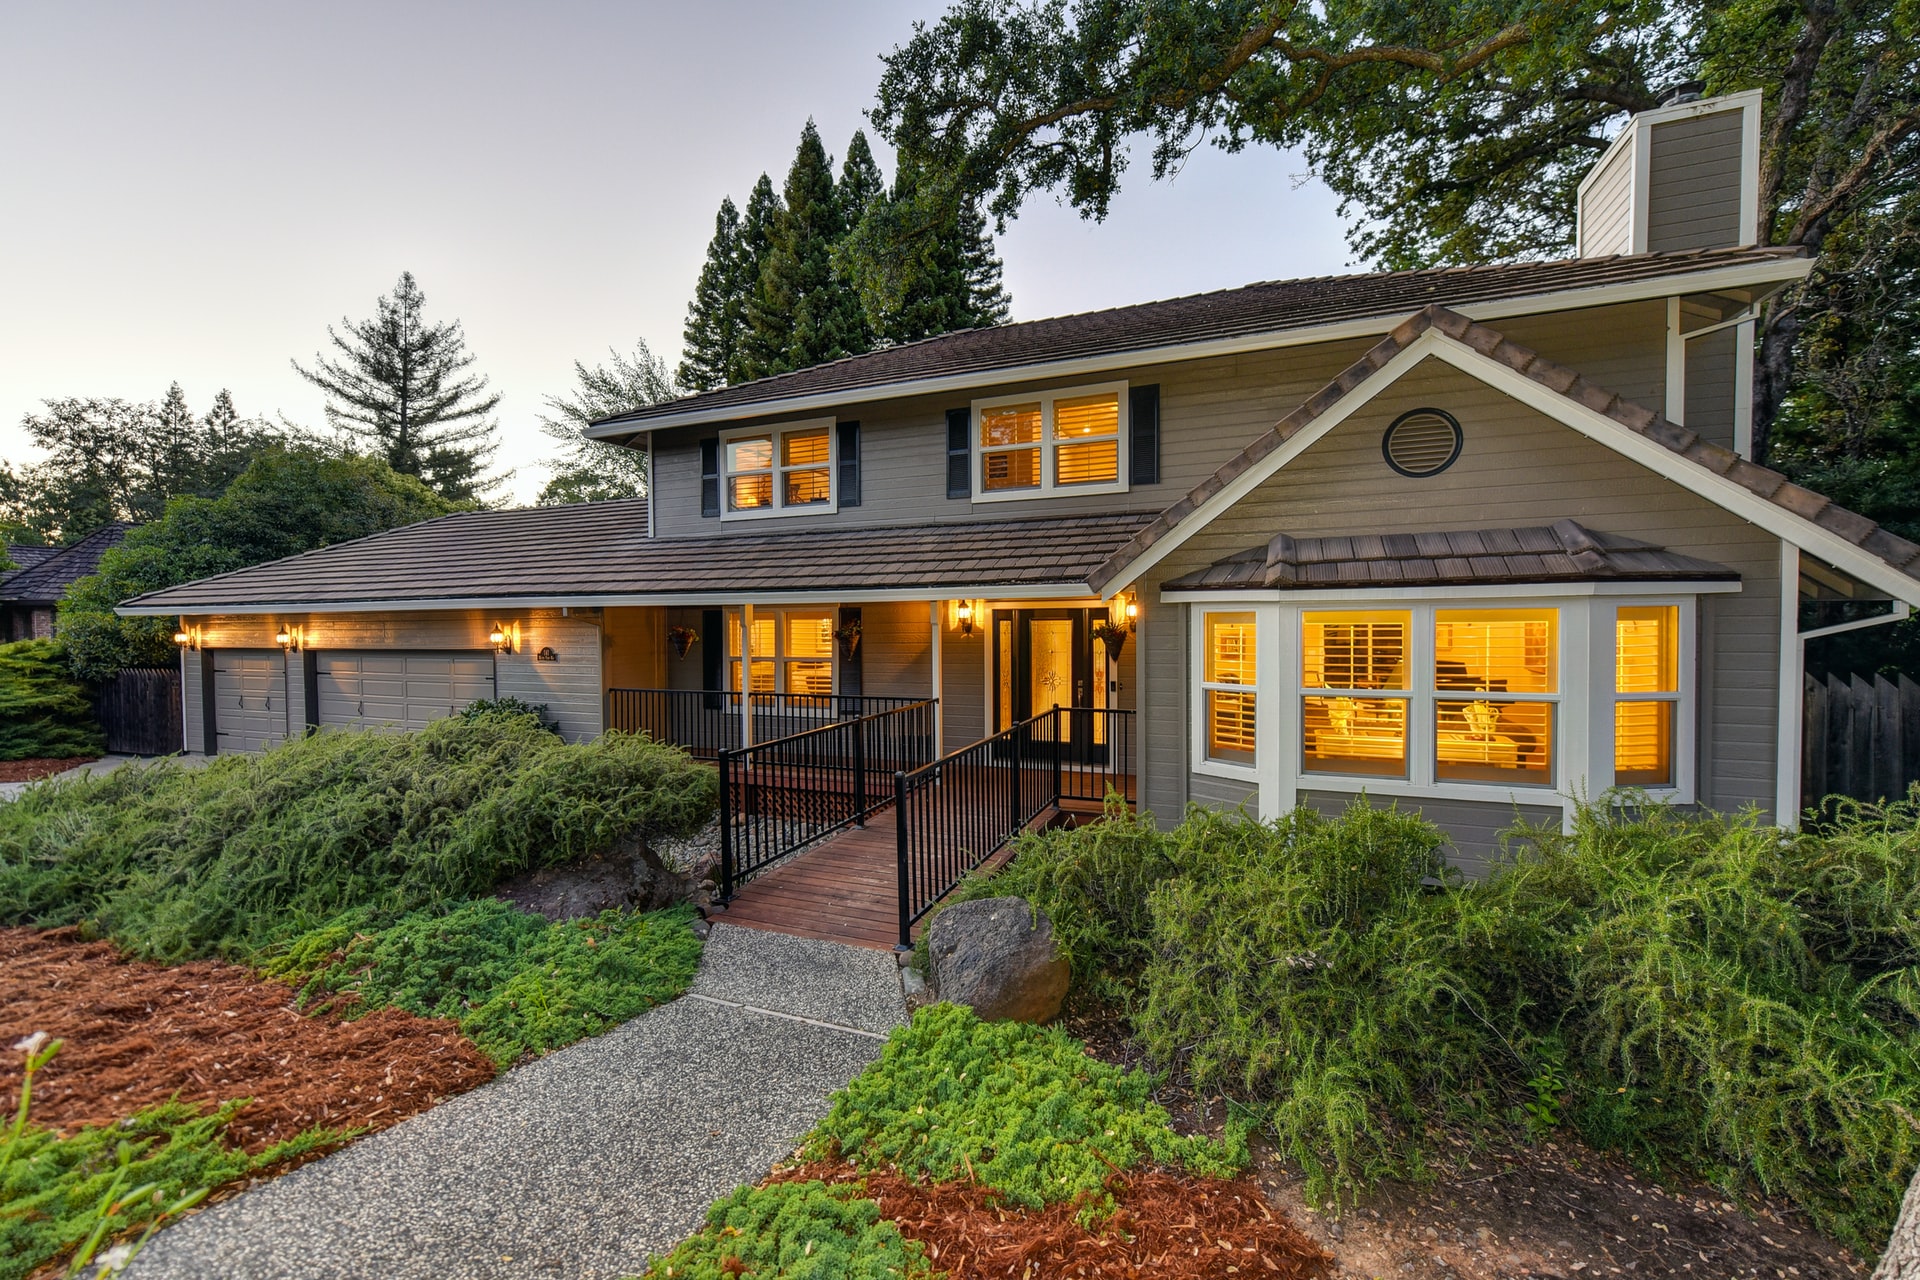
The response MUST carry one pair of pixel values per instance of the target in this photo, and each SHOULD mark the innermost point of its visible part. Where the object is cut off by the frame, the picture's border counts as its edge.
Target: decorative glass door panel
(1043, 658)
(1051, 666)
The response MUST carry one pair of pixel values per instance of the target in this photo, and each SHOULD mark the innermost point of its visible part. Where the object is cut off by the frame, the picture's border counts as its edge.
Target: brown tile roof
(601, 549)
(1563, 551)
(46, 580)
(1272, 307)
(1771, 485)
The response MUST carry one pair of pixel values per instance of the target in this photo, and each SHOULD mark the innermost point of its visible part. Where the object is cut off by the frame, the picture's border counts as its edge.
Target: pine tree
(400, 387)
(801, 314)
(956, 286)
(861, 182)
(755, 244)
(716, 318)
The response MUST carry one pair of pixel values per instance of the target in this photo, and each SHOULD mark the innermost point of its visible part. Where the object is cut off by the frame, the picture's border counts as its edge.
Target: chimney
(1685, 175)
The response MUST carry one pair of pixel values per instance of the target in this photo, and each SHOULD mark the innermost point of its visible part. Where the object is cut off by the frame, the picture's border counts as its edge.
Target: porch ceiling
(598, 553)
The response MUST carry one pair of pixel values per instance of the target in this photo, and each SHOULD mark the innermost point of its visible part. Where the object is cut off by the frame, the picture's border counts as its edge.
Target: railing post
(900, 860)
(1056, 753)
(859, 773)
(726, 830)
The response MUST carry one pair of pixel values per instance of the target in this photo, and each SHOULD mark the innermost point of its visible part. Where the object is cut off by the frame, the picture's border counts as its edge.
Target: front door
(1045, 658)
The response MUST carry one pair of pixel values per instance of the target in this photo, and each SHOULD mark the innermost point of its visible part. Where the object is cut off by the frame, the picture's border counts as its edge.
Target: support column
(938, 683)
(746, 675)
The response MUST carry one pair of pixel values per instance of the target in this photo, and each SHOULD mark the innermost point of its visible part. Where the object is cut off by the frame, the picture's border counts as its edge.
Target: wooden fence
(140, 711)
(1862, 738)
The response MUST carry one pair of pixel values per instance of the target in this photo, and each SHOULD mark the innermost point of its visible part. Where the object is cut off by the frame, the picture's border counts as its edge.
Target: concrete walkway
(583, 1163)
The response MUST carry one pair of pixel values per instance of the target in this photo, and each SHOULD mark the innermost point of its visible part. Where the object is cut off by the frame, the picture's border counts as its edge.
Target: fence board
(1862, 738)
(139, 711)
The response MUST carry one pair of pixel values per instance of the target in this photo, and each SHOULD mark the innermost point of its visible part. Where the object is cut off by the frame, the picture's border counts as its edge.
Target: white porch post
(1786, 787)
(934, 609)
(746, 675)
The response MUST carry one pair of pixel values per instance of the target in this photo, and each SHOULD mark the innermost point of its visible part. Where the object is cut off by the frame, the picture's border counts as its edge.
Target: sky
(194, 191)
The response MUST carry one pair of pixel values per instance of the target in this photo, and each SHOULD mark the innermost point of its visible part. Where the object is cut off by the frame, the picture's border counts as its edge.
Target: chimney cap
(1684, 91)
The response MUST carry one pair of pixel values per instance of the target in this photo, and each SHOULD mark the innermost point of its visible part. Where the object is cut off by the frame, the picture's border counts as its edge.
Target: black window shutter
(849, 464)
(959, 453)
(713, 639)
(710, 477)
(1143, 458)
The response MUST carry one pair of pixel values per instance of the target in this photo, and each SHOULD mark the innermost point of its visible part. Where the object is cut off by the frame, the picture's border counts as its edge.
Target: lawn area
(246, 964)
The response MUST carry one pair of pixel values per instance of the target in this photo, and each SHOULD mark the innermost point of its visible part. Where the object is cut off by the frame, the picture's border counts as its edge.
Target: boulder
(997, 956)
(630, 876)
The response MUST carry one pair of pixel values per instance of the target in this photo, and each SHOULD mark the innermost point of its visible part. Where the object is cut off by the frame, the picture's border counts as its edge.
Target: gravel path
(585, 1162)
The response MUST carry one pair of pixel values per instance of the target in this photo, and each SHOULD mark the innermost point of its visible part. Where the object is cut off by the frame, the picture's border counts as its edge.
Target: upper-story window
(783, 470)
(1058, 442)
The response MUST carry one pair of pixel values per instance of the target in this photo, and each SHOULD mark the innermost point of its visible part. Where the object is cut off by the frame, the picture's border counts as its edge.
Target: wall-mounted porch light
(964, 615)
(290, 638)
(187, 637)
(504, 637)
(1125, 611)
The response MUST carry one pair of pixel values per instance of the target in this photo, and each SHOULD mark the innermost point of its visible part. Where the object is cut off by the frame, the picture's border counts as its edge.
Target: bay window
(786, 470)
(1646, 688)
(1505, 652)
(1053, 443)
(1359, 725)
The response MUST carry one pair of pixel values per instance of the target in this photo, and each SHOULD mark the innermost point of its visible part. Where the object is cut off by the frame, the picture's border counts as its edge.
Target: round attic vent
(1422, 442)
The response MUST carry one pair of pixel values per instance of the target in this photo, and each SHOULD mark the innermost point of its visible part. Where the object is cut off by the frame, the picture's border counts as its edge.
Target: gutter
(1778, 271)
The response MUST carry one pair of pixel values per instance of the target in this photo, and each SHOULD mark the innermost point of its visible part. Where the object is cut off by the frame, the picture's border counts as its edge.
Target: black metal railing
(779, 796)
(707, 722)
(954, 814)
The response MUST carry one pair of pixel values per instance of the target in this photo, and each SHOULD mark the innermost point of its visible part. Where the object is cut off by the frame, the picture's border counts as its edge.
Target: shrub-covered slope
(43, 713)
(176, 862)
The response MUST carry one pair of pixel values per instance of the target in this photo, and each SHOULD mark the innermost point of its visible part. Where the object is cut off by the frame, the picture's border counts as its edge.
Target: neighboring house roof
(1563, 551)
(1168, 327)
(25, 556)
(44, 582)
(1806, 519)
(599, 553)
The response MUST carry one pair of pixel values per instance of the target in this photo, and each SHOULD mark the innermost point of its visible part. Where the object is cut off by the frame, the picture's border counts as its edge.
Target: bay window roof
(1564, 551)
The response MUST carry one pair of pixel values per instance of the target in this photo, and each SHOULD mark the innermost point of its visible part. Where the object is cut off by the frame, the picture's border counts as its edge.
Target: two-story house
(1479, 540)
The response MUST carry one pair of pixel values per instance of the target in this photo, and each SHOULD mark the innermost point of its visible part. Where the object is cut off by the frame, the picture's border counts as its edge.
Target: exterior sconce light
(962, 615)
(289, 638)
(966, 617)
(1125, 611)
(502, 637)
(187, 637)
(1133, 613)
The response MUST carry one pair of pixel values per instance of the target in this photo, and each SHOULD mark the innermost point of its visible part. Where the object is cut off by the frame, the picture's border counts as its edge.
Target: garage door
(408, 690)
(249, 698)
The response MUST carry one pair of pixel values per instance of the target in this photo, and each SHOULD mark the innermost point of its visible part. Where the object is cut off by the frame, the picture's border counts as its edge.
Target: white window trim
(1583, 720)
(779, 509)
(1047, 488)
(736, 617)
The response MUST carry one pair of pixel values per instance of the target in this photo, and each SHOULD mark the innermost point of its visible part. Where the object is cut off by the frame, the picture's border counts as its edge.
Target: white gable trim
(1689, 475)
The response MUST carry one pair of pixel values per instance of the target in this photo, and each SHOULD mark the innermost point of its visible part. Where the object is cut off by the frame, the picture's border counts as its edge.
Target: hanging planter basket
(683, 639)
(1112, 636)
(849, 637)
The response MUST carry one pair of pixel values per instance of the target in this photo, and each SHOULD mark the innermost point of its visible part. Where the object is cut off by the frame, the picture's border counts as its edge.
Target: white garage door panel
(249, 699)
(399, 688)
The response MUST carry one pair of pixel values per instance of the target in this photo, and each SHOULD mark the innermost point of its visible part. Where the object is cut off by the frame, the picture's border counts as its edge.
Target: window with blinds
(1228, 677)
(1646, 685)
(1495, 651)
(1355, 652)
(791, 652)
(1061, 442)
(780, 470)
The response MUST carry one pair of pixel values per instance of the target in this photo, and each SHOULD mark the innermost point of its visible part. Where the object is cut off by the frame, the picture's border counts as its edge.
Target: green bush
(1018, 1108)
(43, 713)
(1702, 992)
(517, 984)
(795, 1231)
(176, 862)
(54, 1190)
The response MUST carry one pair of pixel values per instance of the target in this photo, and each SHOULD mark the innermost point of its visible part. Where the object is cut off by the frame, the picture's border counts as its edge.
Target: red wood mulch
(39, 767)
(1168, 1226)
(138, 1033)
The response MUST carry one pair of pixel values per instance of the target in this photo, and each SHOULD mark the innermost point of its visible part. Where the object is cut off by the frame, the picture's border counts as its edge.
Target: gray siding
(1606, 207)
(1224, 793)
(1164, 717)
(1518, 468)
(1209, 410)
(963, 694)
(1473, 828)
(570, 686)
(1710, 376)
(895, 644)
(1693, 197)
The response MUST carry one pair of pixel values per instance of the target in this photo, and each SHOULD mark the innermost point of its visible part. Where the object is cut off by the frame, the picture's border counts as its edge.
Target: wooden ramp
(842, 890)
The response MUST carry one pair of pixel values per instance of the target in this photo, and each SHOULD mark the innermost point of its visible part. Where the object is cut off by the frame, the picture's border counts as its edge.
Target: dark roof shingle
(47, 579)
(1563, 551)
(601, 549)
(1275, 306)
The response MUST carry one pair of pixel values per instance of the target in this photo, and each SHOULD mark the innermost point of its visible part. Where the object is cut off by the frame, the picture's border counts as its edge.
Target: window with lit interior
(790, 652)
(1646, 694)
(1060, 442)
(1495, 680)
(779, 470)
(1227, 682)
(1353, 716)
